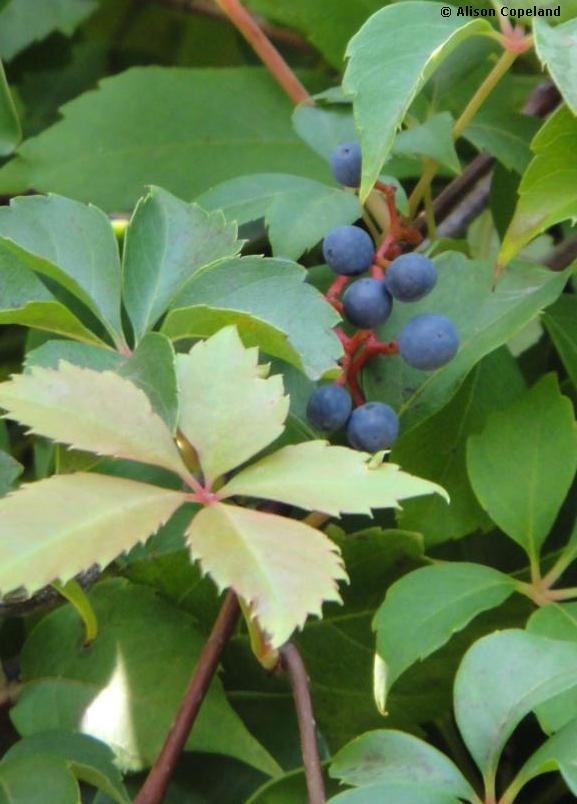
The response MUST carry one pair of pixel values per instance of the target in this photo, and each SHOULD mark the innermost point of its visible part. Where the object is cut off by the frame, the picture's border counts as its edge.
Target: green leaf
(298, 211)
(335, 480)
(558, 621)
(437, 449)
(27, 301)
(561, 323)
(505, 134)
(84, 355)
(485, 319)
(390, 59)
(182, 129)
(523, 463)
(225, 428)
(37, 780)
(423, 610)
(398, 792)
(96, 411)
(558, 753)
(126, 687)
(283, 568)
(291, 788)
(10, 129)
(433, 138)
(52, 529)
(389, 757)
(269, 302)
(501, 679)
(167, 242)
(87, 759)
(556, 50)
(23, 22)
(548, 189)
(151, 367)
(71, 243)
(328, 26)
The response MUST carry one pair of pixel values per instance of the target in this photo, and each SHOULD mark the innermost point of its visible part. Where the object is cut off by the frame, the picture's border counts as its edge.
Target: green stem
(502, 65)
(430, 215)
(76, 595)
(567, 557)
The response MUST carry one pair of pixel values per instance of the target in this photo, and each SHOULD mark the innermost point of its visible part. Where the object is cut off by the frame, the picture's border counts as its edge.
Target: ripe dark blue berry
(372, 427)
(428, 341)
(410, 277)
(348, 250)
(346, 164)
(367, 303)
(329, 407)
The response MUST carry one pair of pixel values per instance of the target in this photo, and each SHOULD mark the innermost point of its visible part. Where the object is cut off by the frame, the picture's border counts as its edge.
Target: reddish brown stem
(293, 664)
(335, 290)
(157, 781)
(264, 48)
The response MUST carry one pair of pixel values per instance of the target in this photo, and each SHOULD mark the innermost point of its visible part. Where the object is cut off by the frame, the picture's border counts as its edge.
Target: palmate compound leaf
(283, 568)
(390, 59)
(228, 410)
(95, 411)
(335, 480)
(55, 528)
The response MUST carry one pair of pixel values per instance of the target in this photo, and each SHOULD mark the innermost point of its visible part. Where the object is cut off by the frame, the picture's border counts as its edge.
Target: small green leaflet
(559, 752)
(27, 301)
(283, 568)
(71, 243)
(423, 610)
(96, 411)
(561, 323)
(557, 50)
(167, 242)
(84, 758)
(433, 138)
(522, 464)
(388, 756)
(335, 480)
(298, 211)
(228, 410)
(390, 59)
(270, 303)
(501, 679)
(52, 529)
(548, 189)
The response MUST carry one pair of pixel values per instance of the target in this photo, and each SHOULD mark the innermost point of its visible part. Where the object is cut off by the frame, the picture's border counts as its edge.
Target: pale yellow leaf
(228, 411)
(95, 411)
(282, 568)
(53, 529)
(334, 480)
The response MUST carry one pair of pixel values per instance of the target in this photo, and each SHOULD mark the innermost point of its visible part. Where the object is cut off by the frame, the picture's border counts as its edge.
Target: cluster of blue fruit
(427, 342)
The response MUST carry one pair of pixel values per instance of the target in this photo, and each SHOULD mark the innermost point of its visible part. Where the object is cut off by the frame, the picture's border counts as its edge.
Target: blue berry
(329, 407)
(367, 303)
(410, 277)
(346, 164)
(372, 427)
(428, 341)
(348, 250)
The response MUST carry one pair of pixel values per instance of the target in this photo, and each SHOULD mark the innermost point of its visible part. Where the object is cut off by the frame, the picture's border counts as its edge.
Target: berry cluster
(426, 342)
